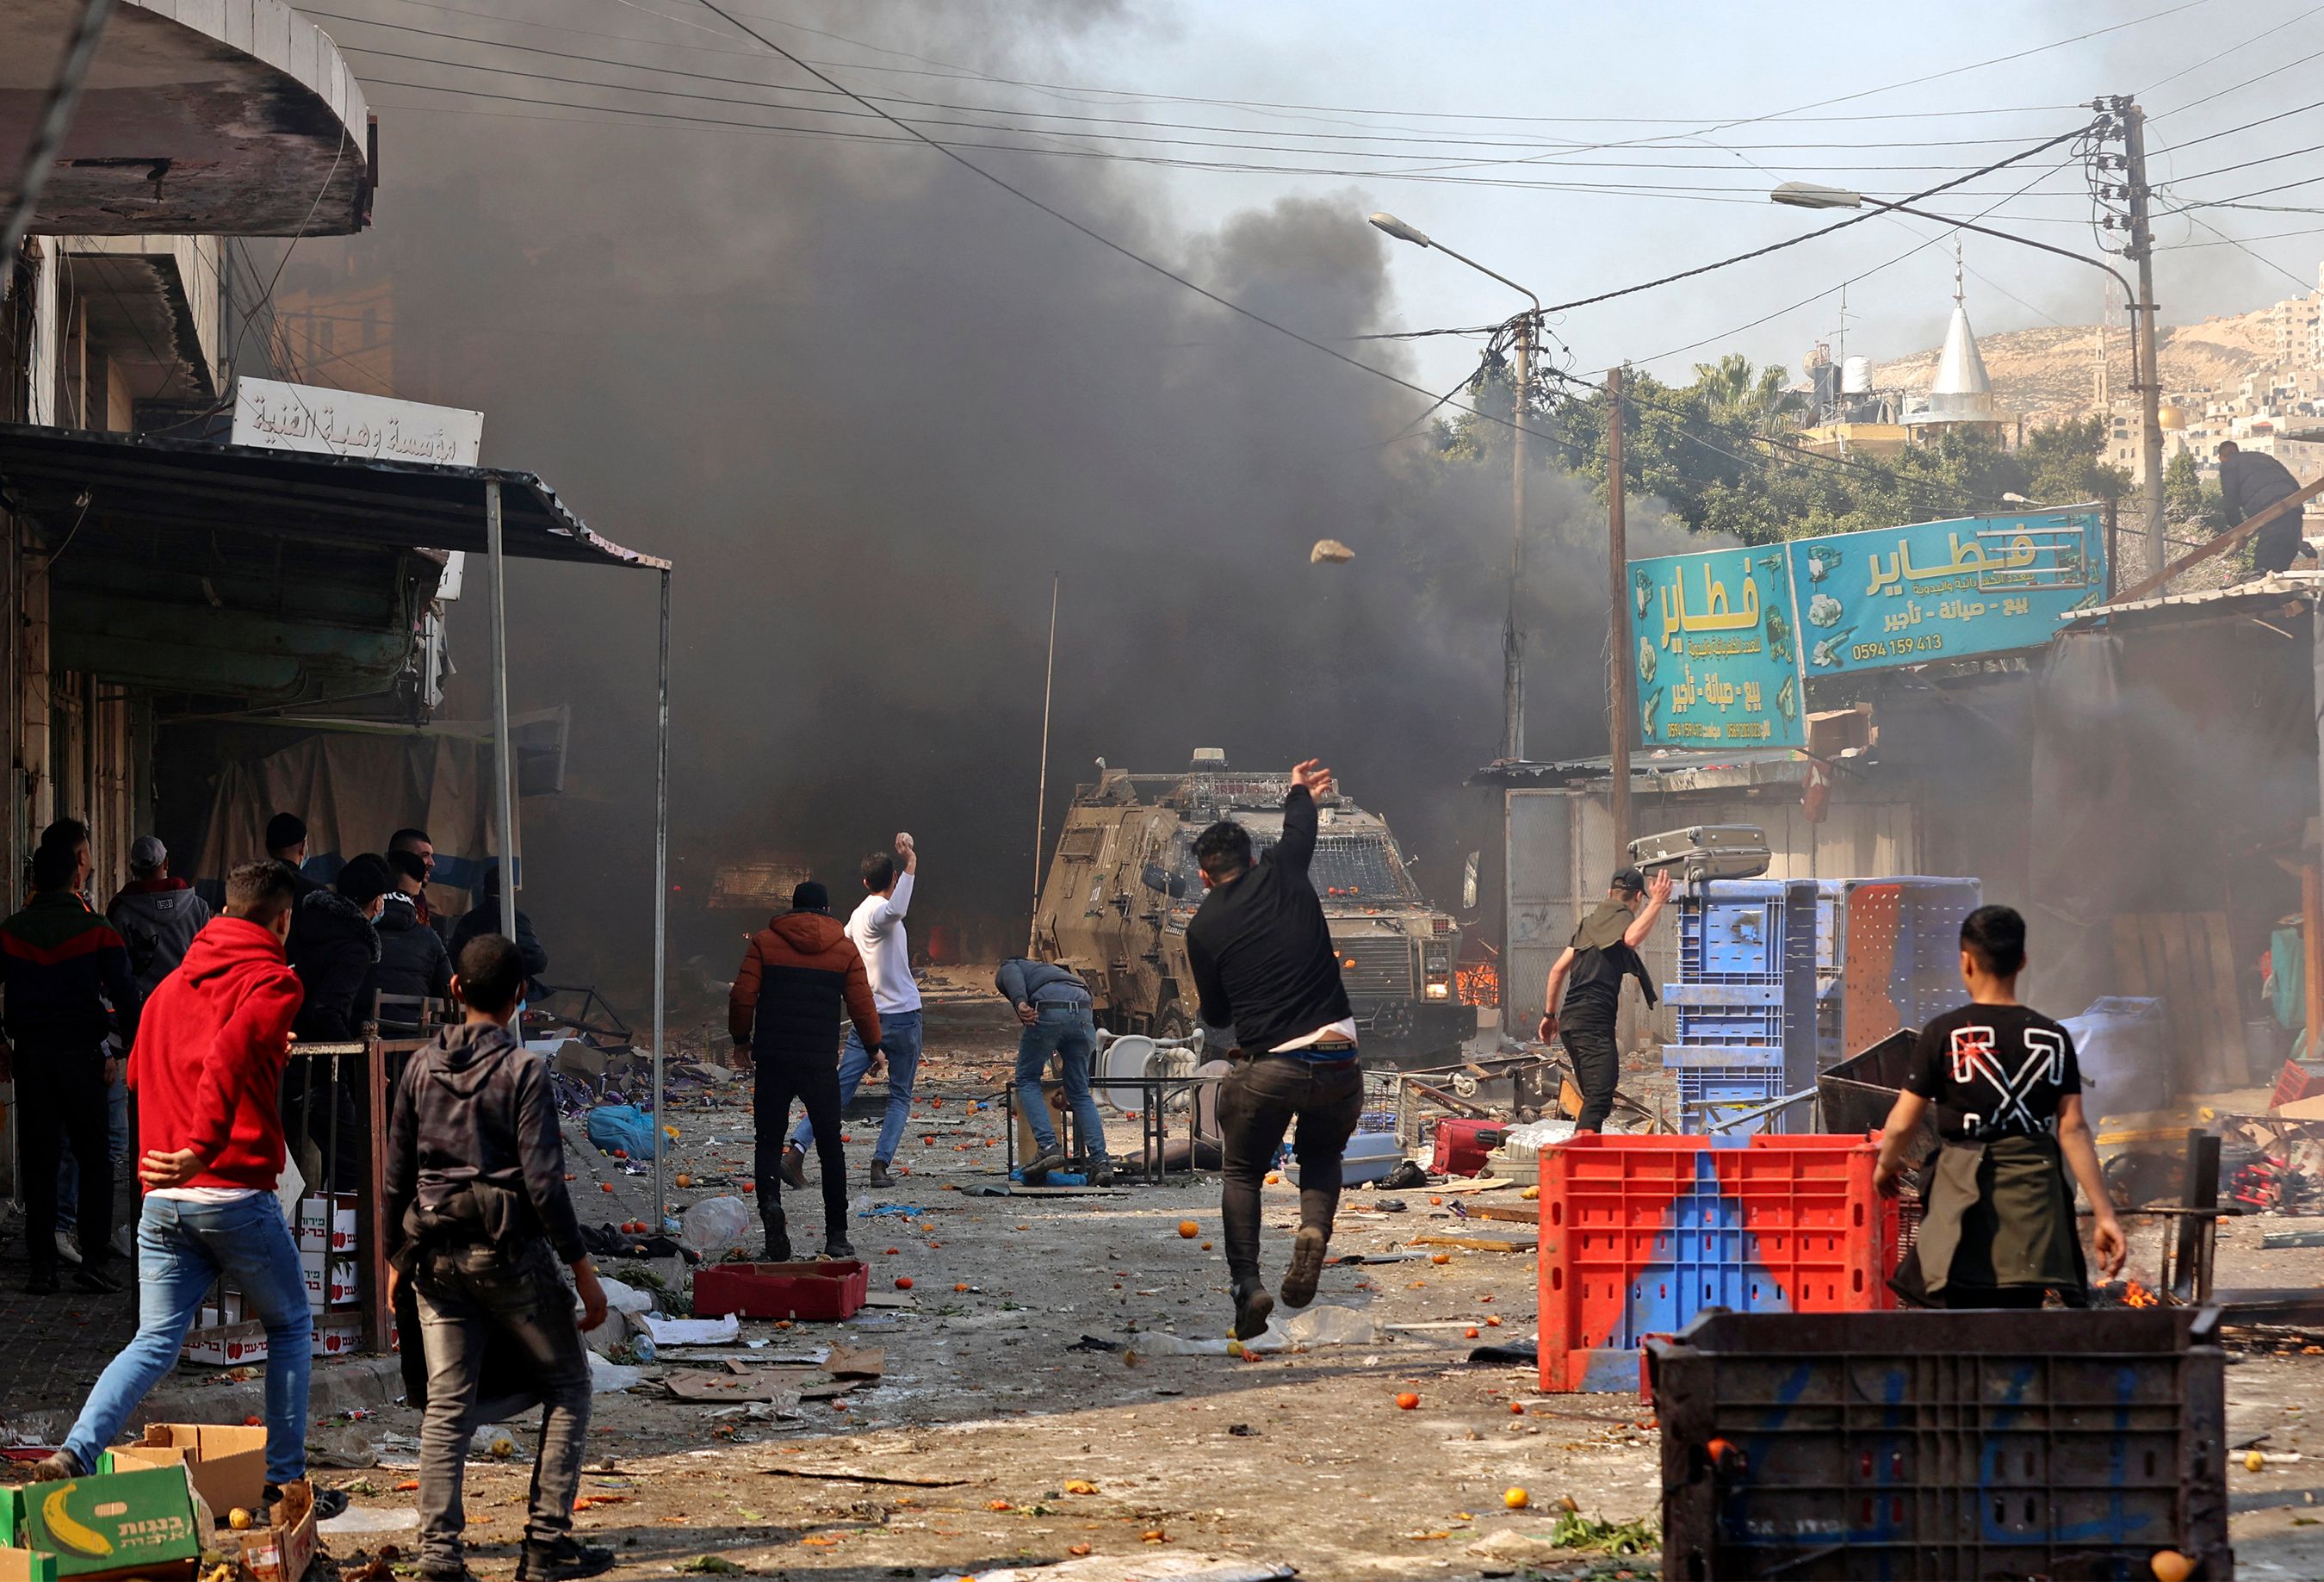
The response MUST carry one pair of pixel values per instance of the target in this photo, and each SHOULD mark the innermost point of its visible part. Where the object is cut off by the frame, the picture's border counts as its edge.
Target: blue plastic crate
(1707, 1093)
(1732, 930)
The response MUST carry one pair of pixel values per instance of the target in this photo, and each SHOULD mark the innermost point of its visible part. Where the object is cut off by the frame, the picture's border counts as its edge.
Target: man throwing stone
(877, 928)
(1263, 966)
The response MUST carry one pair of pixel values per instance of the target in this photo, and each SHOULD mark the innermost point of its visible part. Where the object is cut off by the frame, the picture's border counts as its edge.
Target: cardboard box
(150, 1522)
(27, 1565)
(327, 1224)
(337, 1334)
(330, 1280)
(226, 1345)
(227, 1464)
(280, 1552)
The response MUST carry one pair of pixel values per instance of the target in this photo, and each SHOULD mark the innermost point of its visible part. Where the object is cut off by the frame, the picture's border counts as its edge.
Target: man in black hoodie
(476, 1191)
(333, 949)
(413, 961)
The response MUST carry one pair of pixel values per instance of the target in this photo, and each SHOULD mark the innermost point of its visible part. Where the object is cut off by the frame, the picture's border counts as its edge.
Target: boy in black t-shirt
(1999, 1226)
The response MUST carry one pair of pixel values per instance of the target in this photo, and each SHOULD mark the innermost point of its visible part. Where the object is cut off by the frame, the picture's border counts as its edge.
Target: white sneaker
(68, 1249)
(125, 1240)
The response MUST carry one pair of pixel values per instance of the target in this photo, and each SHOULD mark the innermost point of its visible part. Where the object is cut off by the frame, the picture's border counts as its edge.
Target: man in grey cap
(1589, 975)
(157, 916)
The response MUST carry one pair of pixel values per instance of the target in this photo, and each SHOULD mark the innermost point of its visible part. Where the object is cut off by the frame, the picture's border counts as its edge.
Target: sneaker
(879, 1175)
(446, 1571)
(1101, 1173)
(564, 1561)
(793, 1168)
(1037, 1170)
(1252, 1306)
(1306, 1267)
(779, 1240)
(839, 1247)
(58, 1467)
(89, 1277)
(68, 1249)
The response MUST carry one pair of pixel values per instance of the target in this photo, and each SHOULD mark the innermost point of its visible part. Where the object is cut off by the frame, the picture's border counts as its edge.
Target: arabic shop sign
(1939, 590)
(1726, 640)
(1716, 649)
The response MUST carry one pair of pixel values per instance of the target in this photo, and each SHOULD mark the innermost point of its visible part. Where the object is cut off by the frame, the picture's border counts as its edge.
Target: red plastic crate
(1461, 1145)
(822, 1290)
(1639, 1235)
(2299, 1080)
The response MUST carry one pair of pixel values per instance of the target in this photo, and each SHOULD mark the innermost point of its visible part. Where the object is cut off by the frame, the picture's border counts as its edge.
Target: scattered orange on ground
(2170, 1566)
(1081, 1486)
(1516, 1499)
(1494, 1322)
(1406, 1401)
(1440, 1257)
(960, 1288)
(1517, 1409)
(903, 1283)
(1189, 1229)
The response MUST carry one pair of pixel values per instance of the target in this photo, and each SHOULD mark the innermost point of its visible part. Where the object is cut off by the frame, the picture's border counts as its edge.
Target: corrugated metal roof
(2276, 588)
(196, 487)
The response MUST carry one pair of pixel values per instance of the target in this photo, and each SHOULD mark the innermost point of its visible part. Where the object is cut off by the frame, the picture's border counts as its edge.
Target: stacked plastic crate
(1745, 998)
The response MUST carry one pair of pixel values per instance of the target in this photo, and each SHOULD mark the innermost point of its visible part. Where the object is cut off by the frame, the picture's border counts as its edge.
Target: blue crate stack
(1744, 1000)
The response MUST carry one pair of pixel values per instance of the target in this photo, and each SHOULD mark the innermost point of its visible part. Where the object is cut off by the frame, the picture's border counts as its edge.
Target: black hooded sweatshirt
(475, 1148)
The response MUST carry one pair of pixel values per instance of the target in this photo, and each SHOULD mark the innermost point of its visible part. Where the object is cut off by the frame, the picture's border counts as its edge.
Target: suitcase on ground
(1461, 1146)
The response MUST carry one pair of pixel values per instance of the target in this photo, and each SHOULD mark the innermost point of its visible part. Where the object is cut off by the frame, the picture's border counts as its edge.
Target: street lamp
(1814, 195)
(1512, 641)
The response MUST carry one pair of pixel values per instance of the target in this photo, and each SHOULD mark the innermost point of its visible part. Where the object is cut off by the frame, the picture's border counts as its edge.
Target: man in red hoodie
(206, 1069)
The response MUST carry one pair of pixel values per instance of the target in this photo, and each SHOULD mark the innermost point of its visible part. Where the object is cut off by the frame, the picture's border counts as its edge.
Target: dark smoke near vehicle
(870, 403)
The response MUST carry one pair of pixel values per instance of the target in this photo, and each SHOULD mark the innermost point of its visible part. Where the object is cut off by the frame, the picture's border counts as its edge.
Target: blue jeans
(116, 1128)
(900, 1040)
(182, 1248)
(1069, 1032)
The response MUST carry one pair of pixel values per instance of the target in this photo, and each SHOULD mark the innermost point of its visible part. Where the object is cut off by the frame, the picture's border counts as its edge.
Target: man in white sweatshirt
(877, 928)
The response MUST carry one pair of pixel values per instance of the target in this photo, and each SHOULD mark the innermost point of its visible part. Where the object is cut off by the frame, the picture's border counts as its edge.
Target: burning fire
(1479, 984)
(2135, 1295)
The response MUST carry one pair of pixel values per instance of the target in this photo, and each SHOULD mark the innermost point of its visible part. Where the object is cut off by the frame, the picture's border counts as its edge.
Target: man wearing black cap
(1590, 974)
(799, 975)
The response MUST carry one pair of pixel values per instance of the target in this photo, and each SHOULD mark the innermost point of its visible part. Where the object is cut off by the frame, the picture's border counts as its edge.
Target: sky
(870, 402)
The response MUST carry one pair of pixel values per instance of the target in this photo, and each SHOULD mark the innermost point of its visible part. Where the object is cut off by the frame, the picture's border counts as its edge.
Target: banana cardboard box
(226, 1463)
(148, 1524)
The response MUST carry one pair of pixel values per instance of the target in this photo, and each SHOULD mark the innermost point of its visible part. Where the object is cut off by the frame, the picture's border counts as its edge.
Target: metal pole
(1512, 639)
(1041, 798)
(662, 892)
(503, 749)
(2150, 366)
(1617, 567)
(48, 135)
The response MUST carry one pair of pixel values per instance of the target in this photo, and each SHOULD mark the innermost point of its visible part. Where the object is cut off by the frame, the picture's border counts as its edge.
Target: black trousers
(2274, 548)
(814, 1084)
(61, 1096)
(332, 1114)
(1258, 1101)
(2013, 1297)
(1596, 1068)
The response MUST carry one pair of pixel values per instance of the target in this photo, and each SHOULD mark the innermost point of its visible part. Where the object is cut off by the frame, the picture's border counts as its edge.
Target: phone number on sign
(1931, 643)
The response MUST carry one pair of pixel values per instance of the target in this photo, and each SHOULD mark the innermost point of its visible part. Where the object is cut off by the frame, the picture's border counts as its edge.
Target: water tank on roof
(1855, 376)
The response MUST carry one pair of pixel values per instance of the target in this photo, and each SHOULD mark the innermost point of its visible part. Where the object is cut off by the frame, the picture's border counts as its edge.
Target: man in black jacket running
(1264, 965)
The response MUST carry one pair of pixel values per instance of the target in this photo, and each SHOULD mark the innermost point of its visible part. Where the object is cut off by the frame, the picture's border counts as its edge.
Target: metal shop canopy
(116, 485)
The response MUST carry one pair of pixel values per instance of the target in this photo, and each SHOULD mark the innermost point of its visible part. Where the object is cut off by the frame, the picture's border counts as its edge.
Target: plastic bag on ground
(716, 1224)
(622, 1126)
(624, 1299)
(1162, 1343)
(1324, 1325)
(360, 1519)
(606, 1377)
(715, 1331)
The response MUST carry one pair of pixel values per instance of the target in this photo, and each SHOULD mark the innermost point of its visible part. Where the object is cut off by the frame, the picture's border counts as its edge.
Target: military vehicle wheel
(1173, 1022)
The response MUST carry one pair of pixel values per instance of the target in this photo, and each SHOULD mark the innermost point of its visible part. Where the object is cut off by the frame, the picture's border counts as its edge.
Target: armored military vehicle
(1123, 885)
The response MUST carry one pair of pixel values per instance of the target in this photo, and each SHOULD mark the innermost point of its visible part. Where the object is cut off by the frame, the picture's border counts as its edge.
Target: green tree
(2188, 500)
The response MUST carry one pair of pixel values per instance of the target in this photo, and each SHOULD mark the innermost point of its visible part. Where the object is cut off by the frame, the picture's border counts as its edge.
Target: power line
(2230, 50)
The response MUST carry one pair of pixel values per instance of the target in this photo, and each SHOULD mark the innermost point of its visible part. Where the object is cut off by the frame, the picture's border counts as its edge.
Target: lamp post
(1512, 641)
(2149, 385)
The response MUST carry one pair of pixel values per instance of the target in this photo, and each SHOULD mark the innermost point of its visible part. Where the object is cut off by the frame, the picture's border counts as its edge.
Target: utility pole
(1512, 639)
(1620, 712)
(2141, 251)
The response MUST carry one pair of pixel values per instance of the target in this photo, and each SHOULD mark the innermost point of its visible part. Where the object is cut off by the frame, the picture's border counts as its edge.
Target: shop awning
(143, 484)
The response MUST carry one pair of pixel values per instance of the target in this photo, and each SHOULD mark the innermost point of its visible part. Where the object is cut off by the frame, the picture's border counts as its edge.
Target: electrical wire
(2231, 50)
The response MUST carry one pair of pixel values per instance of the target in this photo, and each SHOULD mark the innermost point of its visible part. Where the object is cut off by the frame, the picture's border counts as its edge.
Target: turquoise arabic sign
(1717, 650)
(1726, 641)
(1939, 590)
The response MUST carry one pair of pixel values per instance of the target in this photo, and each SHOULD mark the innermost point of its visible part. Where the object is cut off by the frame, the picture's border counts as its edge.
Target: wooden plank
(2226, 1003)
(2169, 935)
(2129, 956)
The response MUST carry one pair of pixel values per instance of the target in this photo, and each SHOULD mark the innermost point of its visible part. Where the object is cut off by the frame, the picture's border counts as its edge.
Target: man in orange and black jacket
(801, 973)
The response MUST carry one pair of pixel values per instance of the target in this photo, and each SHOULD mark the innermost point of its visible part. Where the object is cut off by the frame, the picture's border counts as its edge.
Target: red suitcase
(1461, 1146)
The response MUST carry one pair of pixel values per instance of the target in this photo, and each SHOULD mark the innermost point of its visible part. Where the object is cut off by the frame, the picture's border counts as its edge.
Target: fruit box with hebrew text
(148, 1522)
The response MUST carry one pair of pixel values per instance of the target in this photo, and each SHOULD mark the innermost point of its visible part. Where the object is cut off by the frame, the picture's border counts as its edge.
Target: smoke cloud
(871, 404)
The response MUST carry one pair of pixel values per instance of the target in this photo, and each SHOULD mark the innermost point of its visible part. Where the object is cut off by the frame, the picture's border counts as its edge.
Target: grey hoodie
(474, 1145)
(157, 919)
